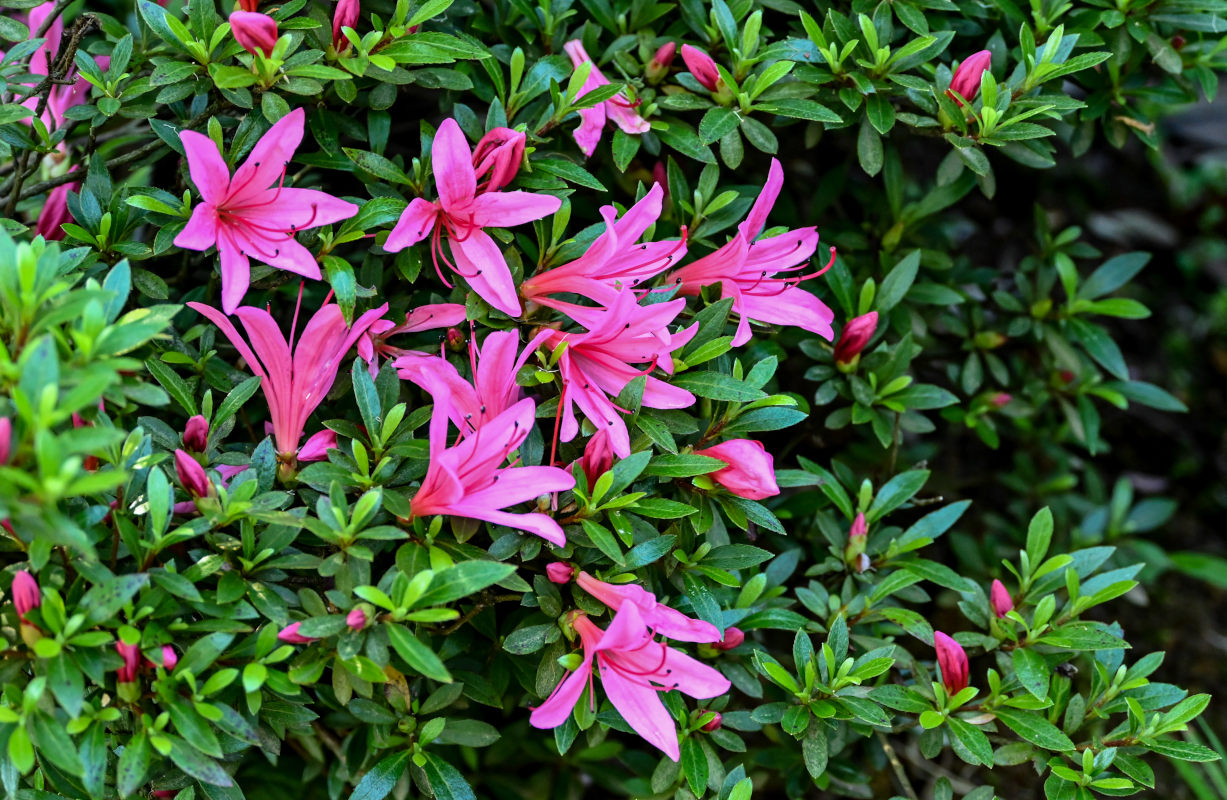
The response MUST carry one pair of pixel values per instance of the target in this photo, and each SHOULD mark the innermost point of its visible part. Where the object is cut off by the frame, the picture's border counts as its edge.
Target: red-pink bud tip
(859, 527)
(559, 572)
(169, 657)
(26, 594)
(290, 635)
(702, 67)
(733, 637)
(196, 434)
(191, 474)
(356, 619)
(6, 440)
(952, 660)
(966, 79)
(131, 654)
(254, 31)
(1001, 601)
(713, 724)
(855, 335)
(1000, 399)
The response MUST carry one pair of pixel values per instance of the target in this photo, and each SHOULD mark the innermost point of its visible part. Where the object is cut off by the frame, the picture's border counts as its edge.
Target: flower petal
(415, 224)
(558, 706)
(642, 709)
(754, 222)
(266, 164)
(508, 209)
(479, 259)
(209, 172)
(235, 269)
(453, 166)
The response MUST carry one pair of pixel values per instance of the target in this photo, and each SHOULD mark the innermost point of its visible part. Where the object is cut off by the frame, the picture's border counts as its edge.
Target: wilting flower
(131, 654)
(196, 434)
(469, 479)
(634, 669)
(6, 440)
(614, 261)
(192, 475)
(255, 32)
(462, 213)
(712, 724)
(746, 269)
(253, 215)
(559, 572)
(345, 16)
(702, 67)
(598, 456)
(26, 594)
(497, 158)
(733, 637)
(668, 622)
(290, 635)
(855, 335)
(966, 79)
(295, 376)
(356, 619)
(1000, 597)
(952, 660)
(750, 472)
(661, 60)
(618, 108)
(373, 343)
(597, 364)
(493, 390)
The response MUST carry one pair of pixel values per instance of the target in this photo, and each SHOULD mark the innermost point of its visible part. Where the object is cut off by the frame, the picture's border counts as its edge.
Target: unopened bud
(26, 594)
(455, 339)
(6, 440)
(290, 635)
(356, 619)
(1000, 399)
(169, 657)
(989, 340)
(712, 724)
(660, 62)
(733, 637)
(254, 31)
(499, 153)
(1000, 598)
(702, 67)
(855, 336)
(192, 475)
(345, 16)
(196, 434)
(966, 80)
(131, 654)
(559, 572)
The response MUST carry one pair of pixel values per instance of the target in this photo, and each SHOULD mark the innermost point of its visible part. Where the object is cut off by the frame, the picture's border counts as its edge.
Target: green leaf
(1182, 751)
(1112, 274)
(462, 580)
(603, 539)
(716, 123)
(694, 765)
(717, 386)
(381, 779)
(105, 600)
(969, 742)
(897, 491)
(1035, 729)
(196, 764)
(1032, 671)
(869, 149)
(416, 654)
(133, 763)
(445, 780)
(377, 165)
(683, 465)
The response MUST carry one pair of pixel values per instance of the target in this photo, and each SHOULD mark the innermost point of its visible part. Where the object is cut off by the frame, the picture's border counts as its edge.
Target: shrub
(400, 367)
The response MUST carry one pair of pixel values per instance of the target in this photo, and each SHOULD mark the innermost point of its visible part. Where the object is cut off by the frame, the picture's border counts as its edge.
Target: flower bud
(290, 635)
(966, 80)
(6, 440)
(661, 60)
(192, 475)
(26, 594)
(1001, 601)
(1000, 399)
(345, 16)
(733, 637)
(131, 654)
(169, 657)
(952, 660)
(859, 528)
(249, 5)
(750, 472)
(356, 619)
(455, 339)
(256, 32)
(712, 724)
(598, 457)
(854, 550)
(855, 335)
(499, 153)
(702, 67)
(559, 572)
(196, 434)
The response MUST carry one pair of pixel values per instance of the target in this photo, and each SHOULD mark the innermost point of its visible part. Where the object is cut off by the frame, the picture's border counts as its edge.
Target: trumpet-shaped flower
(614, 261)
(668, 622)
(634, 668)
(374, 344)
(493, 390)
(469, 479)
(750, 472)
(597, 364)
(295, 376)
(252, 214)
(746, 271)
(617, 108)
(462, 213)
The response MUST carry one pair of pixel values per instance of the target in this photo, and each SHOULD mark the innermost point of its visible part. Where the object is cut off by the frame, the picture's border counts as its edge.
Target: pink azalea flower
(26, 594)
(634, 669)
(750, 472)
(254, 31)
(498, 155)
(356, 619)
(462, 213)
(131, 654)
(559, 572)
(668, 622)
(290, 635)
(468, 480)
(618, 108)
(253, 215)
(295, 376)
(597, 364)
(345, 16)
(1001, 601)
(855, 335)
(192, 475)
(746, 269)
(373, 343)
(966, 79)
(615, 260)
(494, 388)
(952, 660)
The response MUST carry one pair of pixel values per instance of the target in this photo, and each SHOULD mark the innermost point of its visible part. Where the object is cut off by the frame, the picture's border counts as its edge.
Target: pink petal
(757, 218)
(294, 210)
(200, 233)
(557, 708)
(266, 165)
(480, 260)
(591, 124)
(209, 172)
(291, 256)
(453, 166)
(537, 524)
(642, 709)
(235, 269)
(508, 209)
(415, 224)
(316, 448)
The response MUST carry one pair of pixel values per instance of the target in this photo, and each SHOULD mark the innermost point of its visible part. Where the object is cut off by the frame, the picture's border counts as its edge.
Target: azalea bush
(452, 399)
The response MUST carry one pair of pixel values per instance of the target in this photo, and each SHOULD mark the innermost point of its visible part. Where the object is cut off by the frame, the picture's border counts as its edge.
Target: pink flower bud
(500, 153)
(712, 724)
(254, 31)
(356, 619)
(6, 440)
(169, 657)
(750, 472)
(455, 339)
(290, 635)
(966, 80)
(598, 457)
(55, 212)
(345, 16)
(131, 654)
(196, 434)
(733, 637)
(1000, 596)
(859, 527)
(855, 335)
(192, 475)
(702, 67)
(660, 174)
(952, 660)
(659, 64)
(249, 5)
(559, 572)
(26, 594)
(1000, 399)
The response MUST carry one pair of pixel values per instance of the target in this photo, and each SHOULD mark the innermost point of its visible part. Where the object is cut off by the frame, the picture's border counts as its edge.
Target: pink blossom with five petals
(618, 108)
(668, 622)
